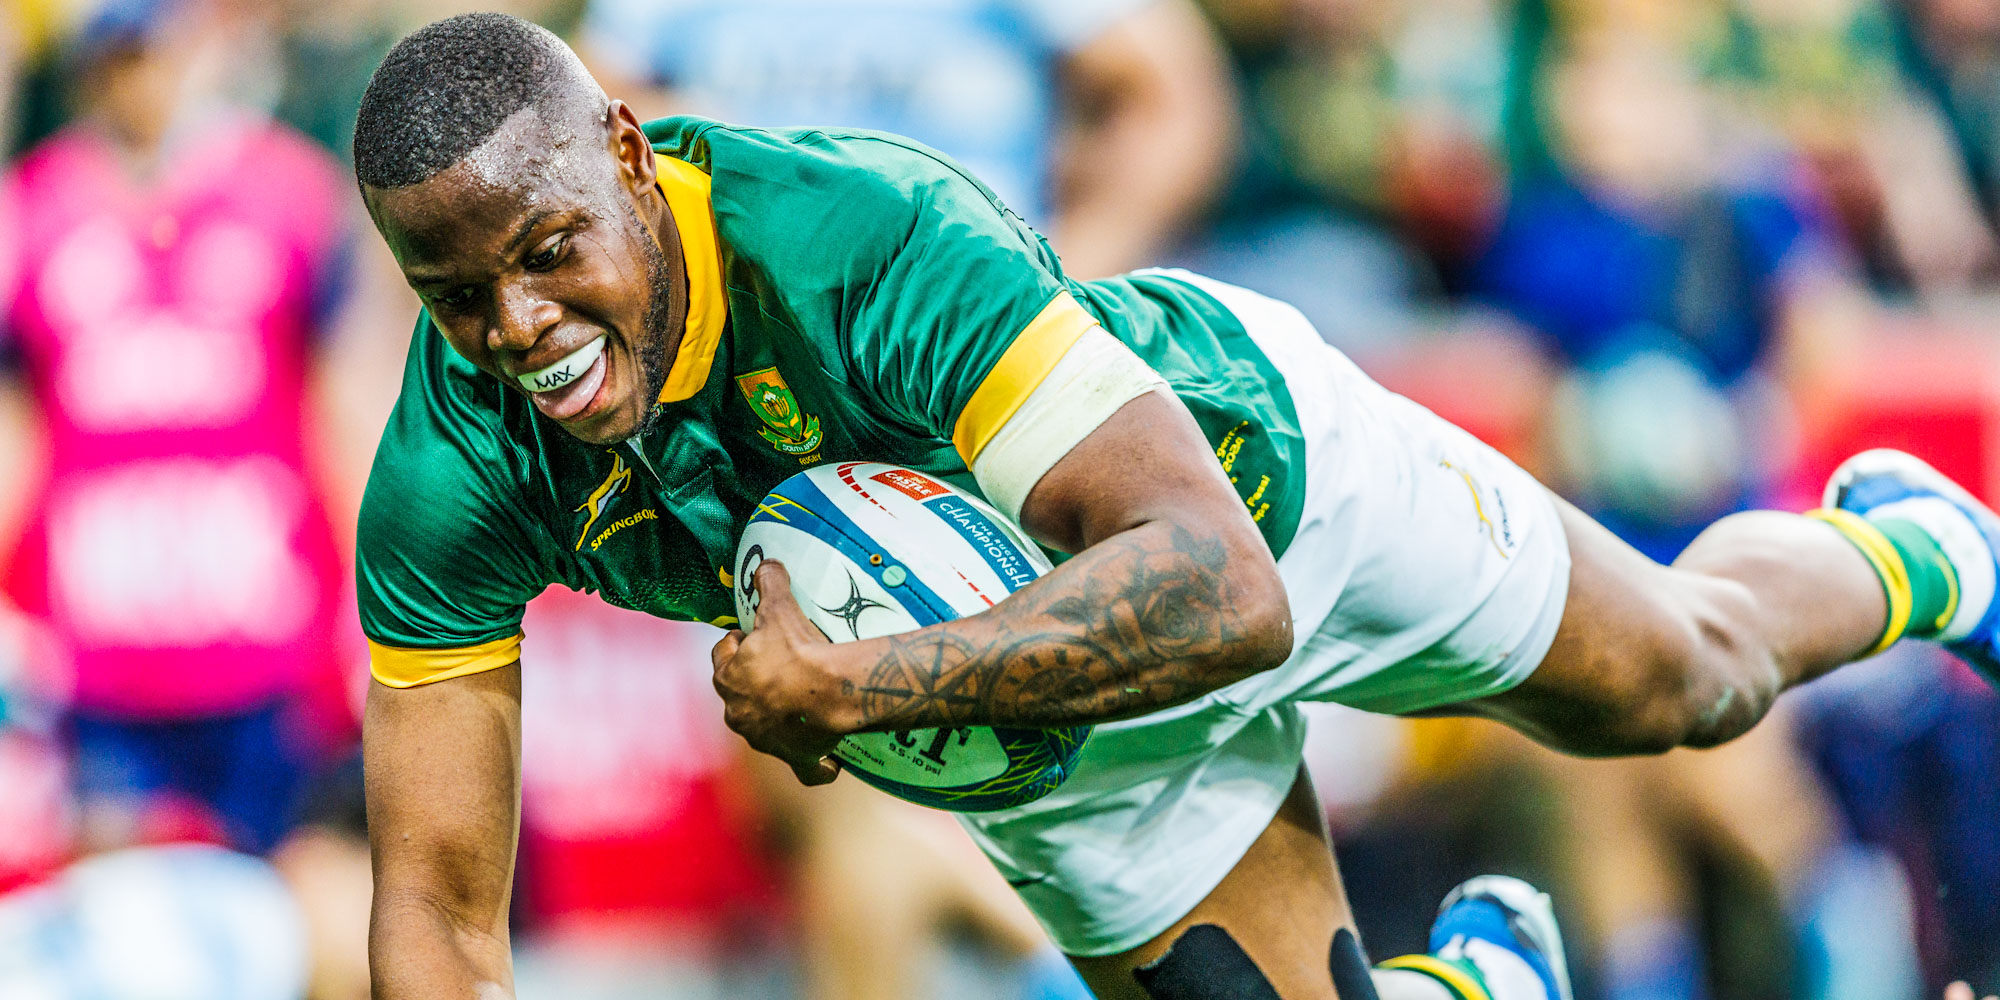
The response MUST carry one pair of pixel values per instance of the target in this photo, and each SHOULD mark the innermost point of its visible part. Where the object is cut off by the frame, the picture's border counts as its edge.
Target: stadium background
(1676, 256)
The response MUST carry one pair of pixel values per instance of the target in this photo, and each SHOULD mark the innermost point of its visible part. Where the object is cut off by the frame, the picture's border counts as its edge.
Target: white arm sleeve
(1094, 378)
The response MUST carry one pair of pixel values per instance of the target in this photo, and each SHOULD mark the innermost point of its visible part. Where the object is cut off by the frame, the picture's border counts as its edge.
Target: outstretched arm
(444, 794)
(1172, 594)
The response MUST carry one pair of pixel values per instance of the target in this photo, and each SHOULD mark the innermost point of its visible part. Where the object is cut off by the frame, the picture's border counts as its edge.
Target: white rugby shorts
(1427, 570)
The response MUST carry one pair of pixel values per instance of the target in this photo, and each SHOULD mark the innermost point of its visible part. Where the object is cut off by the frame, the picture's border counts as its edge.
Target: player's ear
(629, 146)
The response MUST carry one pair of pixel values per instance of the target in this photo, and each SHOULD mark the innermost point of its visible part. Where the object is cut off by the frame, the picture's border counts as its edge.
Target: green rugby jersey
(852, 296)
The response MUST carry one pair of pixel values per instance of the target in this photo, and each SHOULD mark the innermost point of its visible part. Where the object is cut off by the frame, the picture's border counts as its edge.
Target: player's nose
(520, 318)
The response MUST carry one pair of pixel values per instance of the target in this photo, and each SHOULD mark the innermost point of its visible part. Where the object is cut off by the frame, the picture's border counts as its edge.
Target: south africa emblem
(788, 428)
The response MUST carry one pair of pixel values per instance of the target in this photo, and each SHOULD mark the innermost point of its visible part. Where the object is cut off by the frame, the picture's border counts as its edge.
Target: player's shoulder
(853, 154)
(453, 539)
(453, 450)
(801, 182)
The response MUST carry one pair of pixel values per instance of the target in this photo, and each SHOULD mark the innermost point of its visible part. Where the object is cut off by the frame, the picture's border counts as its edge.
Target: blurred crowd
(1678, 257)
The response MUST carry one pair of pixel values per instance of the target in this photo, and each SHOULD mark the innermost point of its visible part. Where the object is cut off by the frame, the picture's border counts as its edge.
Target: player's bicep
(1147, 463)
(1036, 407)
(443, 784)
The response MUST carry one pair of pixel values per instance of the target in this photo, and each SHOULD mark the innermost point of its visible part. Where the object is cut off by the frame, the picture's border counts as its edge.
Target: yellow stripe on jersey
(686, 189)
(401, 667)
(1881, 554)
(1035, 351)
(1455, 979)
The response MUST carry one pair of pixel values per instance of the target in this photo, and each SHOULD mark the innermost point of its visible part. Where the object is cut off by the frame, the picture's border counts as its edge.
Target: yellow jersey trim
(1888, 565)
(1027, 361)
(1454, 978)
(687, 192)
(402, 667)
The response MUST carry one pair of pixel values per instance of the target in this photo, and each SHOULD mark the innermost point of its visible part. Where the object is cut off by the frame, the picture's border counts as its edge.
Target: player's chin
(610, 422)
(617, 412)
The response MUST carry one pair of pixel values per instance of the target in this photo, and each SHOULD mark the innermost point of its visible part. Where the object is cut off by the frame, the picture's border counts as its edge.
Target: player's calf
(1650, 657)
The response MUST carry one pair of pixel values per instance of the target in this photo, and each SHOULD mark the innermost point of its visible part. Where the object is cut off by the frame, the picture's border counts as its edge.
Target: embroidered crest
(786, 426)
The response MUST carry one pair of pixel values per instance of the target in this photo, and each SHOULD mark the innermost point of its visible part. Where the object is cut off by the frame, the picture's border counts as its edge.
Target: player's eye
(457, 298)
(549, 254)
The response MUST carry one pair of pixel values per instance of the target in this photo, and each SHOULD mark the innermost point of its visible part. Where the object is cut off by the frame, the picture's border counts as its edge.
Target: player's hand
(1960, 991)
(776, 682)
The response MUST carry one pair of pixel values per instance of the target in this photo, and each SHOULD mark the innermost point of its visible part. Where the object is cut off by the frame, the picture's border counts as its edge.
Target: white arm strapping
(1094, 378)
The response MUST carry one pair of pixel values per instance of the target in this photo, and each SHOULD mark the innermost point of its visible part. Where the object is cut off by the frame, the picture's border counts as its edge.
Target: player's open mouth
(566, 388)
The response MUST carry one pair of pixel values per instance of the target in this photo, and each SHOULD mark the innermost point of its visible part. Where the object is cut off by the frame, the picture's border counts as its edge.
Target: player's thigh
(1282, 903)
(1614, 677)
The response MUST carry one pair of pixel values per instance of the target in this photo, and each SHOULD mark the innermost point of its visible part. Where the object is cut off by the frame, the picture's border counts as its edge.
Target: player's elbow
(412, 934)
(1264, 634)
(455, 901)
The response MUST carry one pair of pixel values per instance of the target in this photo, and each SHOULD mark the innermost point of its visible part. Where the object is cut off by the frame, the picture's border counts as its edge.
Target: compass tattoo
(1146, 619)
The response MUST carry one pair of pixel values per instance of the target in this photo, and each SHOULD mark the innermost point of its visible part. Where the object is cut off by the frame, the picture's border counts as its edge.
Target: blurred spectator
(325, 863)
(643, 867)
(1389, 112)
(1636, 834)
(1911, 745)
(157, 923)
(1372, 170)
(1951, 51)
(1669, 268)
(1107, 124)
(174, 255)
(329, 49)
(1823, 75)
(37, 814)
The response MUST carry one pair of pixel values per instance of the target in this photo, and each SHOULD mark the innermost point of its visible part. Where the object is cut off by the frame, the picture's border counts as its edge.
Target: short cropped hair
(446, 88)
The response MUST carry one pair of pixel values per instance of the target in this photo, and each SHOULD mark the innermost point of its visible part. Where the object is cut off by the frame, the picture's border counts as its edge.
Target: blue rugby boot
(1939, 537)
(1495, 938)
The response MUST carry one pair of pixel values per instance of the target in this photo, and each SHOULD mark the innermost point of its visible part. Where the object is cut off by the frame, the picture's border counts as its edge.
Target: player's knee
(1707, 680)
(1651, 719)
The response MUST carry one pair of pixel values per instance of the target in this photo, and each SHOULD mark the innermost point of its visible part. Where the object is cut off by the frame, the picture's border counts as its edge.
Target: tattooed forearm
(1146, 619)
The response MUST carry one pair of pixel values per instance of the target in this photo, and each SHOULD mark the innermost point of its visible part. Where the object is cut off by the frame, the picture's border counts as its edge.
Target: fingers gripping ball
(874, 550)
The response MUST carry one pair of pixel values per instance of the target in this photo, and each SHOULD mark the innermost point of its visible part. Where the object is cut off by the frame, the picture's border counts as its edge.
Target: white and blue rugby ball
(874, 550)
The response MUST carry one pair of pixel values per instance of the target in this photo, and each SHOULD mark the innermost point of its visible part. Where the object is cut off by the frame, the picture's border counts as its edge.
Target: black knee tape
(1352, 978)
(1205, 963)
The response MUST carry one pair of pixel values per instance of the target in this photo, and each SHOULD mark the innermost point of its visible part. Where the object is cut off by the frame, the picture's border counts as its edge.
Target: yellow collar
(686, 190)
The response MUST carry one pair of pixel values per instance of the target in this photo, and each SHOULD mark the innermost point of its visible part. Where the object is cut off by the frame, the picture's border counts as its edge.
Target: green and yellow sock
(1918, 580)
(1460, 978)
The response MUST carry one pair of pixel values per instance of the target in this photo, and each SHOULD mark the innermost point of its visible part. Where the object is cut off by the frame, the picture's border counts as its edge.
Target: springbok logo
(613, 486)
(1501, 534)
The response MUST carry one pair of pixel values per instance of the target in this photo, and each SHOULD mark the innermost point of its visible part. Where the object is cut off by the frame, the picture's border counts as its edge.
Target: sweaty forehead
(530, 167)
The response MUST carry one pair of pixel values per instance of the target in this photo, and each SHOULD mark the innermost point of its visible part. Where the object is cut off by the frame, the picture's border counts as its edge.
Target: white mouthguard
(565, 371)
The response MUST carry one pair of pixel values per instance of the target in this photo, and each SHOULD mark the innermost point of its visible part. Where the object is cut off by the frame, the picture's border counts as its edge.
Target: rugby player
(633, 331)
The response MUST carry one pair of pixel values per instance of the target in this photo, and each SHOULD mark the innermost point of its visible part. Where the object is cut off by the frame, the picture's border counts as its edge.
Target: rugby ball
(874, 550)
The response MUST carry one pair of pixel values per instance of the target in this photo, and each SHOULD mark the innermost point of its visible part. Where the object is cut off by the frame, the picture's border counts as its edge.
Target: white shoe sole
(1886, 461)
